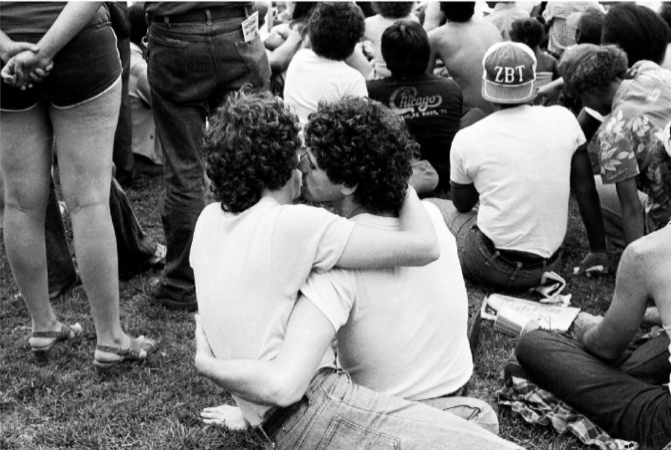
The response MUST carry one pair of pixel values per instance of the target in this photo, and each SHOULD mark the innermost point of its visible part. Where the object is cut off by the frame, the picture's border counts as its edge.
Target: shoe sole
(168, 304)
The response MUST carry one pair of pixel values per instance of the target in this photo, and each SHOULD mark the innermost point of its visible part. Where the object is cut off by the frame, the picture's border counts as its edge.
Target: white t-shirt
(311, 79)
(248, 269)
(401, 331)
(519, 160)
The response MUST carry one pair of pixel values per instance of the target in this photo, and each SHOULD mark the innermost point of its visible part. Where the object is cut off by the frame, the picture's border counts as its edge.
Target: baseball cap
(509, 73)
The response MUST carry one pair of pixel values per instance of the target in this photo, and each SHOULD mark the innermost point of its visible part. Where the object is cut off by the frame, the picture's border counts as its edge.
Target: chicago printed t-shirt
(519, 161)
(248, 269)
(312, 78)
(403, 330)
(432, 109)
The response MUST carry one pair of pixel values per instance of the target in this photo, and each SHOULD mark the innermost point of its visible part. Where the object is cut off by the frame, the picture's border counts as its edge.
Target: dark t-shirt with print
(432, 109)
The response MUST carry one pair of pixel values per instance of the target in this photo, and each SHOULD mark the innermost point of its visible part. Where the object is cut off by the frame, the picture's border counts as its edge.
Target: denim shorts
(85, 68)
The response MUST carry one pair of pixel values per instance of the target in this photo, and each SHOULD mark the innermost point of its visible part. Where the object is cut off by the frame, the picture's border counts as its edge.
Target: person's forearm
(5, 43)
(256, 381)
(598, 344)
(633, 223)
(416, 224)
(71, 21)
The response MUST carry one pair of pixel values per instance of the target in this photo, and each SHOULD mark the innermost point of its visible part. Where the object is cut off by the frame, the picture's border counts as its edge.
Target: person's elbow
(285, 392)
(463, 206)
(428, 250)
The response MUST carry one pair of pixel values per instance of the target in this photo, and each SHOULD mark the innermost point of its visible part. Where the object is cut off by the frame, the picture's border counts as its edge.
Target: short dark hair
(251, 144)
(359, 142)
(335, 28)
(458, 11)
(393, 10)
(136, 17)
(638, 30)
(405, 48)
(527, 31)
(598, 71)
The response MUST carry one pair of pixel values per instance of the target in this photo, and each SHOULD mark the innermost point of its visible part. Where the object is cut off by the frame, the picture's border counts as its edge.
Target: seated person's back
(430, 105)
(519, 161)
(420, 311)
(461, 44)
(320, 73)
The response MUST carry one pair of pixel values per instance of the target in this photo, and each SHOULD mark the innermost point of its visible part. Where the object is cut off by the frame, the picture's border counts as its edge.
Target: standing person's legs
(625, 407)
(85, 135)
(135, 250)
(25, 138)
(60, 267)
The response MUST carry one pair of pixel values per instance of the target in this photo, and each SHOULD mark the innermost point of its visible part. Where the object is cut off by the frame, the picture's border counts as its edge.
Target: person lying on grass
(378, 313)
(251, 254)
(617, 386)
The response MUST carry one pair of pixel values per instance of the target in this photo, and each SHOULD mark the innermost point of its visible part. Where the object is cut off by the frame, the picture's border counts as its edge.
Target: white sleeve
(458, 172)
(333, 293)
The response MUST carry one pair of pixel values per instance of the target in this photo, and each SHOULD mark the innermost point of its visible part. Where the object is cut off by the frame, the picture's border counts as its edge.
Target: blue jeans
(628, 401)
(192, 66)
(470, 409)
(337, 414)
(484, 264)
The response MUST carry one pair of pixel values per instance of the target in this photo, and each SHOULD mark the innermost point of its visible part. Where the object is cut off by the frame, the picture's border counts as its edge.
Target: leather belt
(516, 256)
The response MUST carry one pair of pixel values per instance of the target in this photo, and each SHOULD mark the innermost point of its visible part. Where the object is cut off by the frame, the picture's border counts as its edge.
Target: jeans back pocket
(344, 434)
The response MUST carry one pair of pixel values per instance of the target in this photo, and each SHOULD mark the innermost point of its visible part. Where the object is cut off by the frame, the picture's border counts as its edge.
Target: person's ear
(348, 190)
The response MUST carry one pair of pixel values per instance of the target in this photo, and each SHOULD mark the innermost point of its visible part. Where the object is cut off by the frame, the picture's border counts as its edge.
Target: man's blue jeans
(628, 401)
(485, 265)
(192, 66)
(338, 414)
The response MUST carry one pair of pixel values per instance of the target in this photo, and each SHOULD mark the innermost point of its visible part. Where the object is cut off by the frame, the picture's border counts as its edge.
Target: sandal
(64, 334)
(138, 350)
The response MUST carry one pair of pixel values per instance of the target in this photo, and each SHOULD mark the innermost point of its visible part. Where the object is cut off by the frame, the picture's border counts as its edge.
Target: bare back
(461, 47)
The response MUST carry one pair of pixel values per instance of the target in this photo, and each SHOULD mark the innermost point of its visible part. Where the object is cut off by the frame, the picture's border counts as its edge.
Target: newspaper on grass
(549, 317)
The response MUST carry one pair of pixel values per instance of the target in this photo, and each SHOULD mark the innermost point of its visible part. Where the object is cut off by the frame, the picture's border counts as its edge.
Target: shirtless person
(461, 44)
(620, 389)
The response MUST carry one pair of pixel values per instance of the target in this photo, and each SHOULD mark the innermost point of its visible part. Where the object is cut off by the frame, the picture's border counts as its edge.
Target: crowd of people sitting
(346, 326)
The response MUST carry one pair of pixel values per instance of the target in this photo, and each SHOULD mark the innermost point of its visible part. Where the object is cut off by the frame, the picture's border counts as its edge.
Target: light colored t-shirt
(311, 79)
(401, 331)
(519, 160)
(248, 270)
(375, 27)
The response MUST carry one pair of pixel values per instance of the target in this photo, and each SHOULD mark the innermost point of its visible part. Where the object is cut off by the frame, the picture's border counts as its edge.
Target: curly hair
(607, 64)
(527, 31)
(335, 28)
(405, 48)
(250, 145)
(393, 10)
(458, 11)
(358, 141)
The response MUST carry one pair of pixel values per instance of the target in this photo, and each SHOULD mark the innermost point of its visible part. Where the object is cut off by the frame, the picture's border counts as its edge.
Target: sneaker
(157, 292)
(512, 368)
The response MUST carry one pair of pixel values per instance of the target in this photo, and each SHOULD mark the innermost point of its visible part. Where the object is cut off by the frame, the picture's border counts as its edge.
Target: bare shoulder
(649, 256)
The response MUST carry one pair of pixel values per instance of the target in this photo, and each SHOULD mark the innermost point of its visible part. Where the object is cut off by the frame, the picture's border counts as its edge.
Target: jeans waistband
(201, 15)
(527, 259)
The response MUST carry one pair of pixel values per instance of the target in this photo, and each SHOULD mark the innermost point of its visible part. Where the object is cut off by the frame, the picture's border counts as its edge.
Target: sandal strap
(62, 334)
(134, 351)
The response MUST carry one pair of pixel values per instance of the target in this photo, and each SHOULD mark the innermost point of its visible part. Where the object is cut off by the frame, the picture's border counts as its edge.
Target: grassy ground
(155, 405)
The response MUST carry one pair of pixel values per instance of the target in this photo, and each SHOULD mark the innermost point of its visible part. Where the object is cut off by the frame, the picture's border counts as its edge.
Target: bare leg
(85, 135)
(25, 146)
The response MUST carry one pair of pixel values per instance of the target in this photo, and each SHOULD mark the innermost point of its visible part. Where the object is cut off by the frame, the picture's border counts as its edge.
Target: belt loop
(492, 258)
(166, 20)
(515, 272)
(208, 16)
